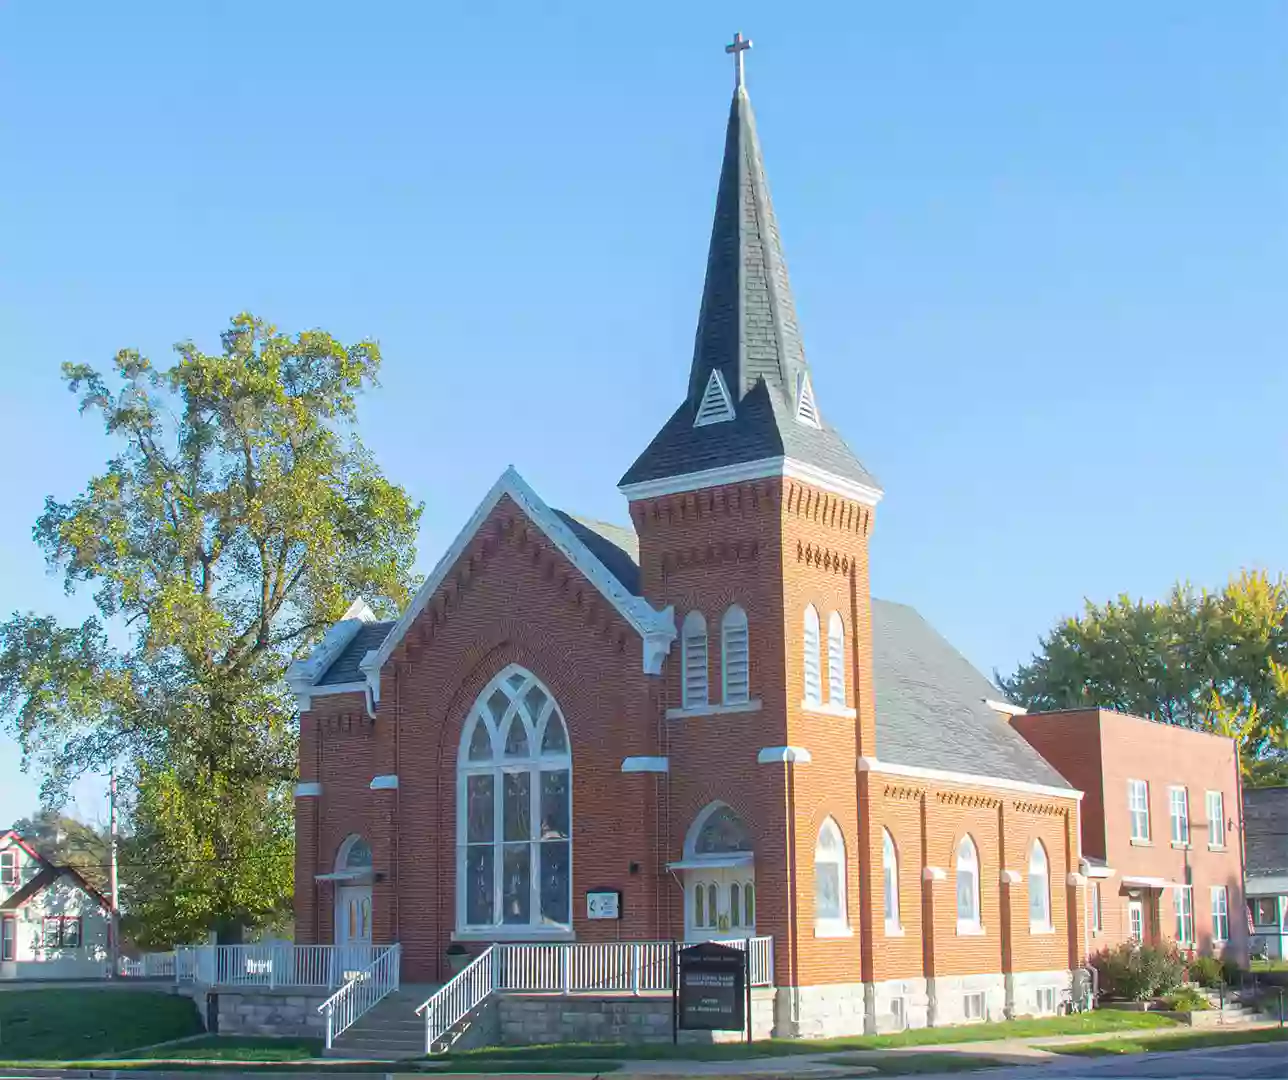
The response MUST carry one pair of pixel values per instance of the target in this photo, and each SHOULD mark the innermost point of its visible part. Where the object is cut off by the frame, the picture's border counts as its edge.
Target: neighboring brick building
(705, 713)
(1161, 830)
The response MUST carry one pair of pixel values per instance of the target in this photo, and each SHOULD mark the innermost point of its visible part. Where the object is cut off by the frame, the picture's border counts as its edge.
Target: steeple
(750, 396)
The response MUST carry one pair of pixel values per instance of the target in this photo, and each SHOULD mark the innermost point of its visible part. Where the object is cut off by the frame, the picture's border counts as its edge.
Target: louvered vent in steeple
(806, 410)
(716, 405)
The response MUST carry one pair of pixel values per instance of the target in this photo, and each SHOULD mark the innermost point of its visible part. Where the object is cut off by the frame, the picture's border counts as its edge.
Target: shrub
(1138, 972)
(1206, 971)
(1231, 970)
(1187, 999)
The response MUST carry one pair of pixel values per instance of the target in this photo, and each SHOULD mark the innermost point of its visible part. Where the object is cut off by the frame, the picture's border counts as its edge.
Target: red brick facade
(1102, 752)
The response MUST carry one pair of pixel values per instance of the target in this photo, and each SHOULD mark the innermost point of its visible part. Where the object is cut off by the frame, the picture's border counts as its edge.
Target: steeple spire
(750, 395)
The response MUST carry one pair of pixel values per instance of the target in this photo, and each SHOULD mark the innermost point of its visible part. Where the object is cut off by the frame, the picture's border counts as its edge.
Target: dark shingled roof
(930, 706)
(46, 876)
(1265, 823)
(747, 329)
(344, 668)
(616, 546)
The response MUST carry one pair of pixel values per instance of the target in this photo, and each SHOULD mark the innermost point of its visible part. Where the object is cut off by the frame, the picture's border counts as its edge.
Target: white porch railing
(274, 964)
(361, 993)
(158, 965)
(615, 967)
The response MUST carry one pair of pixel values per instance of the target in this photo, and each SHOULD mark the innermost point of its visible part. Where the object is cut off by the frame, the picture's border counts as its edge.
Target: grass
(1181, 1040)
(234, 1048)
(913, 1063)
(64, 1024)
(1079, 1024)
(1277, 964)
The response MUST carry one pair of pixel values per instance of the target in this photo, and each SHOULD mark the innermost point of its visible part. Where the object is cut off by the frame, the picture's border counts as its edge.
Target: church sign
(711, 988)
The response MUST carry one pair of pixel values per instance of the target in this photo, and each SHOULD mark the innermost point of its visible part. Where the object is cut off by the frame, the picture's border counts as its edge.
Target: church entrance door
(720, 902)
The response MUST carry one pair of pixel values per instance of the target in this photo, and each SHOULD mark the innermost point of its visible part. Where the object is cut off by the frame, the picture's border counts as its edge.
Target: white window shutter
(736, 661)
(836, 659)
(716, 405)
(813, 680)
(694, 647)
(806, 409)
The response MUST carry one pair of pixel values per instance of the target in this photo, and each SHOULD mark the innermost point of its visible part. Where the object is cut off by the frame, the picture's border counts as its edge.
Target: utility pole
(114, 930)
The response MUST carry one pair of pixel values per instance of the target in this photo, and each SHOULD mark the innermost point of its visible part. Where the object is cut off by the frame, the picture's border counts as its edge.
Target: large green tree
(238, 519)
(1216, 661)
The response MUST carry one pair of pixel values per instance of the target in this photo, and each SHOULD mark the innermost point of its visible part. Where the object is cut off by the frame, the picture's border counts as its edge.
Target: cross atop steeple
(738, 46)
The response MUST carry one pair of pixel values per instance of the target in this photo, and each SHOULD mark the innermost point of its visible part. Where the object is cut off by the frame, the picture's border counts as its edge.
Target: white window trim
(810, 651)
(1132, 811)
(806, 406)
(836, 680)
(534, 764)
(1224, 894)
(715, 709)
(890, 864)
(715, 406)
(826, 708)
(835, 925)
(1220, 820)
(1183, 905)
(688, 640)
(1096, 920)
(1173, 819)
(735, 618)
(1044, 925)
(973, 926)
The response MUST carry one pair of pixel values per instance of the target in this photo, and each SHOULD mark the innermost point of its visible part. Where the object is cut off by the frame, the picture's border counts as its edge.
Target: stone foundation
(948, 995)
(819, 1012)
(525, 1019)
(1022, 991)
(270, 1012)
(896, 1005)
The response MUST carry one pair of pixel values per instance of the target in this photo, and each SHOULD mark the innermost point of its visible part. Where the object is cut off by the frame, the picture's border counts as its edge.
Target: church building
(700, 725)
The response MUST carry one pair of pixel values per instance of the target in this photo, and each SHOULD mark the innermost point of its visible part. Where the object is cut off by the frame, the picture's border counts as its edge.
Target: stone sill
(827, 708)
(1142, 843)
(1181, 845)
(717, 709)
(517, 934)
(825, 931)
(970, 931)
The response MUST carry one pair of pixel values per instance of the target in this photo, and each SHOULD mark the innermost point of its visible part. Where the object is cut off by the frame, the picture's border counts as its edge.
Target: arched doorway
(719, 876)
(353, 893)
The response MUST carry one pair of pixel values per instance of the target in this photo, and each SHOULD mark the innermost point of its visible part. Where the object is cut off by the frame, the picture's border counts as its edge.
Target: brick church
(703, 717)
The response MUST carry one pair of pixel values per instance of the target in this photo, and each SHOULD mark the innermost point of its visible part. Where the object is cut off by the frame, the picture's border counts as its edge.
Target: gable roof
(45, 877)
(748, 334)
(356, 648)
(930, 706)
(1265, 824)
(11, 834)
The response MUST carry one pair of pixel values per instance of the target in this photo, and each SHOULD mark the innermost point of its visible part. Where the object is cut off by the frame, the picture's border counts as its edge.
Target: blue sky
(1039, 255)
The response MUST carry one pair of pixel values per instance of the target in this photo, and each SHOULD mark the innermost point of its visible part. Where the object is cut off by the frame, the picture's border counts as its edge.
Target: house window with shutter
(735, 659)
(836, 659)
(813, 676)
(694, 646)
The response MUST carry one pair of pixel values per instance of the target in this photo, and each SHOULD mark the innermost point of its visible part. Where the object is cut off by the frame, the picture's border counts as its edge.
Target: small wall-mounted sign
(606, 904)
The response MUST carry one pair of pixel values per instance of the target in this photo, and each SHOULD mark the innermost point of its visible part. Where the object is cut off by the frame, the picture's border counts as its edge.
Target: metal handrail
(361, 993)
(458, 997)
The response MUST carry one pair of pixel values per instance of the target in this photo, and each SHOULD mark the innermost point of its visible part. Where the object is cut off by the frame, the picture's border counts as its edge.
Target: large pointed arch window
(967, 887)
(693, 645)
(514, 817)
(890, 882)
(829, 878)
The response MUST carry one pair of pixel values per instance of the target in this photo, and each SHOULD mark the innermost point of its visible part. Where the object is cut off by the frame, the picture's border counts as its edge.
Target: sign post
(712, 989)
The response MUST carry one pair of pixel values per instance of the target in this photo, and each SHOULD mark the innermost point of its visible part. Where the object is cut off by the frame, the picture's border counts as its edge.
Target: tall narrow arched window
(514, 810)
(813, 676)
(693, 644)
(735, 657)
(1039, 888)
(890, 881)
(836, 659)
(967, 886)
(829, 878)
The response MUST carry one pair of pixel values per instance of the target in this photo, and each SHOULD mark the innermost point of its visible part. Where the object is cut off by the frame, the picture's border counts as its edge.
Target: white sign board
(604, 905)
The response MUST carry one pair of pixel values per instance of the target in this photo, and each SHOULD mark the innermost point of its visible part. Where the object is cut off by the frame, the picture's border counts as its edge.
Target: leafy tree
(1216, 661)
(240, 517)
(64, 841)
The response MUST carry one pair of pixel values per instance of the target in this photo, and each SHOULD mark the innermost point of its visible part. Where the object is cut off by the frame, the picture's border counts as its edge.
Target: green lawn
(1078, 1024)
(234, 1048)
(66, 1024)
(914, 1064)
(1180, 1040)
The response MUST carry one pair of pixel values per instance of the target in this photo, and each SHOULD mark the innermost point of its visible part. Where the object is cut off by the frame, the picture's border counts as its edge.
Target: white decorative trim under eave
(384, 783)
(714, 709)
(1011, 877)
(933, 873)
(306, 788)
(783, 755)
(916, 772)
(1077, 879)
(656, 628)
(755, 470)
(1006, 707)
(646, 765)
(827, 708)
(302, 674)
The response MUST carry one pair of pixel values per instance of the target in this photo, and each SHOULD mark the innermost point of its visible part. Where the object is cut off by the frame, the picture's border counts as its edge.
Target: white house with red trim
(53, 923)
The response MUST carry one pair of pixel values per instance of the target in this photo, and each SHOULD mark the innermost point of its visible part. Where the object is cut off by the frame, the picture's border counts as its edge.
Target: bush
(1186, 999)
(1231, 970)
(1138, 972)
(1206, 971)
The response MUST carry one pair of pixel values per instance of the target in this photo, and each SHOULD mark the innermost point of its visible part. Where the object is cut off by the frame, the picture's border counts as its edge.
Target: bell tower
(753, 517)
